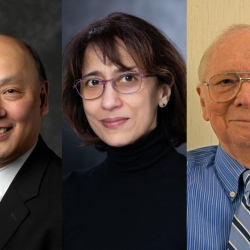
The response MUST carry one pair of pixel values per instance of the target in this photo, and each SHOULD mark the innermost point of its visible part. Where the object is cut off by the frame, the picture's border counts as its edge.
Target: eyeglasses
(225, 86)
(90, 88)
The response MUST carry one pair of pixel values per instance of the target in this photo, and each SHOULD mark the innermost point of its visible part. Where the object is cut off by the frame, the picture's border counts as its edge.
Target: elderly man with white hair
(218, 176)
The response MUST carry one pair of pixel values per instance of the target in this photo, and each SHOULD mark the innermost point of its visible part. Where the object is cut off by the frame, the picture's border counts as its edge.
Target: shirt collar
(228, 171)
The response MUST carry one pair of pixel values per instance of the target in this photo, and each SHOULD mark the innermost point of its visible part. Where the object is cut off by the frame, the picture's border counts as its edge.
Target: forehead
(117, 57)
(230, 54)
(15, 60)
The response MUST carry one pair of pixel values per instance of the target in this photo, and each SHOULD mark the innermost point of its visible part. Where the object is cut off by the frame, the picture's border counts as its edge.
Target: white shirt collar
(8, 173)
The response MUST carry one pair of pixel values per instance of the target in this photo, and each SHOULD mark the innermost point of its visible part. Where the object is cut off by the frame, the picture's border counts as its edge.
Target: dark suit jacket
(30, 211)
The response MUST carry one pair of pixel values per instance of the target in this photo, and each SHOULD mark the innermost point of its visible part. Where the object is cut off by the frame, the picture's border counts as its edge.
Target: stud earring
(163, 105)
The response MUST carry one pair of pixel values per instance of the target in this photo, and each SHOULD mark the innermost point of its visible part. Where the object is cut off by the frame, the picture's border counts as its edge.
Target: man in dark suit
(30, 173)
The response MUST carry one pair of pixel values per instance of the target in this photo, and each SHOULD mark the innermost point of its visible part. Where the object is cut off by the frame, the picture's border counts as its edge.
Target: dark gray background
(168, 15)
(38, 23)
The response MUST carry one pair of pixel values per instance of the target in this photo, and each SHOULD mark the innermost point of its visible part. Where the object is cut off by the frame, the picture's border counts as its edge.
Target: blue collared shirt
(214, 190)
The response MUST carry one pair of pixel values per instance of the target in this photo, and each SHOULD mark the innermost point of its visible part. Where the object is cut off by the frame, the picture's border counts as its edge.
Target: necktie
(240, 230)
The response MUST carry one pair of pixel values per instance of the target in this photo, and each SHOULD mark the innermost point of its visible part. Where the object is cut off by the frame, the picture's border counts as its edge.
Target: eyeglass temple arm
(148, 75)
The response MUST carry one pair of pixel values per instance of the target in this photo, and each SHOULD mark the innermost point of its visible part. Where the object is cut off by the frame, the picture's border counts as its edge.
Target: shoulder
(38, 189)
(202, 155)
(177, 164)
(55, 162)
(177, 160)
(173, 167)
(181, 159)
(81, 185)
(51, 164)
(53, 171)
(200, 160)
(83, 175)
(42, 151)
(47, 153)
(45, 159)
(43, 169)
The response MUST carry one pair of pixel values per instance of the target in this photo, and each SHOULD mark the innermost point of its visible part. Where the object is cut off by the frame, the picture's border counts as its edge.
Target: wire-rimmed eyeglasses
(90, 87)
(224, 87)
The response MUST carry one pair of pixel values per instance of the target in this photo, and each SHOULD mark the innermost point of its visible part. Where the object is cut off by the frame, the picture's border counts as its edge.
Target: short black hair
(40, 68)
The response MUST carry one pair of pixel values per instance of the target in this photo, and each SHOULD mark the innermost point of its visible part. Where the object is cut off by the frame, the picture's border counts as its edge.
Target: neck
(239, 153)
(140, 159)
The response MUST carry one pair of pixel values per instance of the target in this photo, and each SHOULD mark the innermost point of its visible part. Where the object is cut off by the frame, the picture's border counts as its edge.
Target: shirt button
(232, 194)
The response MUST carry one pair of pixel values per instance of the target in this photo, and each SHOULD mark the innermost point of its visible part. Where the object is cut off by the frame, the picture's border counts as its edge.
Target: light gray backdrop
(167, 15)
(38, 23)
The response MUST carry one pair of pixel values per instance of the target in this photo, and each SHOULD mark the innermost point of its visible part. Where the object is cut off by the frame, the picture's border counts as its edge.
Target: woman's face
(122, 119)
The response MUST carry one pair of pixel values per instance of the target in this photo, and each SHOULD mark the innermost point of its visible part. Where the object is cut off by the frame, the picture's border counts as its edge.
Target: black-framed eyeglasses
(90, 87)
(224, 87)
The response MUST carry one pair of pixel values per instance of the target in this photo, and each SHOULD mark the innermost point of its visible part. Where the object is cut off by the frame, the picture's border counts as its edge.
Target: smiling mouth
(113, 122)
(4, 130)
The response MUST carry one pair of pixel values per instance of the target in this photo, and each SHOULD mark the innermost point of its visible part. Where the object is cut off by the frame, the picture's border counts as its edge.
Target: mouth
(244, 121)
(4, 130)
(113, 122)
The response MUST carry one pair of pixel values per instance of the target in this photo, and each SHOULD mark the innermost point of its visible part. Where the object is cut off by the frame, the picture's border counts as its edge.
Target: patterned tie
(240, 230)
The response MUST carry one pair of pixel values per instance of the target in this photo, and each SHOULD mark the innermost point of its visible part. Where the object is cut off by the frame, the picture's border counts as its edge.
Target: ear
(164, 94)
(44, 97)
(201, 94)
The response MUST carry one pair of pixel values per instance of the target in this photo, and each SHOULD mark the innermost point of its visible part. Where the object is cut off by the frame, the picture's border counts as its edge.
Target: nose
(243, 96)
(110, 97)
(2, 111)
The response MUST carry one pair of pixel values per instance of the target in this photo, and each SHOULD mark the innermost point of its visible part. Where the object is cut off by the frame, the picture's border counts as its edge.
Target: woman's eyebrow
(125, 69)
(118, 70)
(92, 73)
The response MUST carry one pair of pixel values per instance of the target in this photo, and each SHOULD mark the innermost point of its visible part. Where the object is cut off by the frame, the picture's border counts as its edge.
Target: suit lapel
(12, 214)
(25, 186)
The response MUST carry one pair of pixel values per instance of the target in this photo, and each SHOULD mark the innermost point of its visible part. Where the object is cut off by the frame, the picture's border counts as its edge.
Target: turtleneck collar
(141, 159)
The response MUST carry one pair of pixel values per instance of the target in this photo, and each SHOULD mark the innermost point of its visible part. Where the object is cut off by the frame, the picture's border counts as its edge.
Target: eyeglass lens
(125, 83)
(223, 87)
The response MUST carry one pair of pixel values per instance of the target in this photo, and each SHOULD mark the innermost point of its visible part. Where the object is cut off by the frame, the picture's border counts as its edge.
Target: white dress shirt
(8, 173)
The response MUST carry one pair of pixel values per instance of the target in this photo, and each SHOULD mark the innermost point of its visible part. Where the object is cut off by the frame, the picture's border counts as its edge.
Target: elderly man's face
(23, 100)
(230, 120)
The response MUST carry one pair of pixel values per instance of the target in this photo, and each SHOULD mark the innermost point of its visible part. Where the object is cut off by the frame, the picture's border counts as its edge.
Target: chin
(241, 137)
(243, 142)
(118, 141)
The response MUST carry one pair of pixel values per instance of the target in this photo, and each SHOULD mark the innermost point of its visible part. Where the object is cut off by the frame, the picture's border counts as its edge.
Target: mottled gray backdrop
(167, 15)
(38, 23)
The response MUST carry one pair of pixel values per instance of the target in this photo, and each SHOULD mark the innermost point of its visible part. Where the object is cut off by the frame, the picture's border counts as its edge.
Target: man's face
(230, 120)
(23, 100)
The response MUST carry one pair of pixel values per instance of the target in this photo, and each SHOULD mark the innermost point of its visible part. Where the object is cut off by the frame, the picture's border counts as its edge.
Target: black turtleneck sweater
(134, 200)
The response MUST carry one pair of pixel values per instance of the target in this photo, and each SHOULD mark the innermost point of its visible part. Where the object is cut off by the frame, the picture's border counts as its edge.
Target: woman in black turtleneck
(128, 98)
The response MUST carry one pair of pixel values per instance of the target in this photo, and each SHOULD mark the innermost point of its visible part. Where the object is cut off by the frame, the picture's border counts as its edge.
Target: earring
(163, 105)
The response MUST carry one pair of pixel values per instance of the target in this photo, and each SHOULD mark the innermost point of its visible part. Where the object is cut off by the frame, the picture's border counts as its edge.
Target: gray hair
(204, 60)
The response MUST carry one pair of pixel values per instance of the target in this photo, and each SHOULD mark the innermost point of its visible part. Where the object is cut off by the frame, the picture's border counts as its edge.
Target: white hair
(204, 60)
